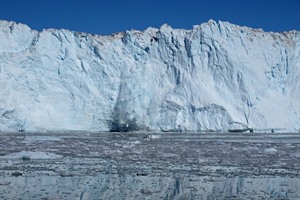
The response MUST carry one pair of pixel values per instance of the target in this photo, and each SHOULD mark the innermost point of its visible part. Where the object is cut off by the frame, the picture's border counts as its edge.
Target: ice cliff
(215, 77)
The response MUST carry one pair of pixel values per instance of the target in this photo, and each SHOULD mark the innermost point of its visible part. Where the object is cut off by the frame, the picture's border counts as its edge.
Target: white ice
(215, 77)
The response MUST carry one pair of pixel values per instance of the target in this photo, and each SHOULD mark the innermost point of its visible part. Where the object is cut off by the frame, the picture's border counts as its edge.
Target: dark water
(149, 166)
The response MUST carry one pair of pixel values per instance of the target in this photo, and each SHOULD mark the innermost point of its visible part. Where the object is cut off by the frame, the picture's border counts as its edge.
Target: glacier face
(215, 77)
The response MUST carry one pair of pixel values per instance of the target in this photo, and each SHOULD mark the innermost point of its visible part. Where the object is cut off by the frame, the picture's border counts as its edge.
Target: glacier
(216, 77)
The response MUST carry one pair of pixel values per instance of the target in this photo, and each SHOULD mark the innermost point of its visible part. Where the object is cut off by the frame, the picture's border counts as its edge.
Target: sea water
(149, 166)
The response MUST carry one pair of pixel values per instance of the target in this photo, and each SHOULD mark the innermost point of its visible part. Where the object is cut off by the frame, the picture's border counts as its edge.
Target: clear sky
(110, 16)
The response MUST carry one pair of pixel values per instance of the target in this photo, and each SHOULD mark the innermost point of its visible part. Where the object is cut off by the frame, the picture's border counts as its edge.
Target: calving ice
(215, 77)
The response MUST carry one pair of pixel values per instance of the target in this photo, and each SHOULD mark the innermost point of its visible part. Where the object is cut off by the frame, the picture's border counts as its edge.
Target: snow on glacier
(215, 77)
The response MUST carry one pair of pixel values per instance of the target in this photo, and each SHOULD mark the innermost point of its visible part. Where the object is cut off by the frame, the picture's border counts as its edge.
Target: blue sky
(110, 16)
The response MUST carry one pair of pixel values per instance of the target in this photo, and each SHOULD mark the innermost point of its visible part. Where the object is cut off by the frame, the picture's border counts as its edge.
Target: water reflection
(114, 186)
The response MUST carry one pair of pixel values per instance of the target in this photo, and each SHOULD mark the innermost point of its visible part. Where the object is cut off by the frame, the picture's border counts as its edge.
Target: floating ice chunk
(155, 136)
(32, 155)
(42, 138)
(271, 150)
